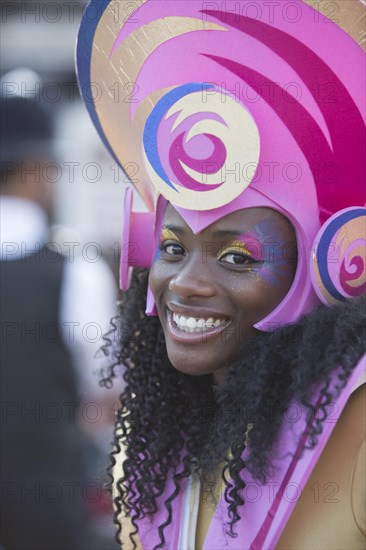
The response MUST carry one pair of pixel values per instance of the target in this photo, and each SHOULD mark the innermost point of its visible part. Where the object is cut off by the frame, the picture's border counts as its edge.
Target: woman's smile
(194, 328)
(212, 288)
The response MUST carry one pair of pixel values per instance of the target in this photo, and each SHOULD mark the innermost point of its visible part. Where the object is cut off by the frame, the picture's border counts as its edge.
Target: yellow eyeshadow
(166, 235)
(235, 247)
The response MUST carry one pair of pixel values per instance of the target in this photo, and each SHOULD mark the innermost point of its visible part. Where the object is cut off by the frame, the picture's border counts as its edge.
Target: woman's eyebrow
(174, 228)
(219, 233)
(227, 232)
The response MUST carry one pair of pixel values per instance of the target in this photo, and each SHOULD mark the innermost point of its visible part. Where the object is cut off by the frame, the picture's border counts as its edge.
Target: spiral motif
(196, 141)
(146, 69)
(339, 258)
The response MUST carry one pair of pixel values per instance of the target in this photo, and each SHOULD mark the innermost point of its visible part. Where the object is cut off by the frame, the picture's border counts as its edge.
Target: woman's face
(211, 288)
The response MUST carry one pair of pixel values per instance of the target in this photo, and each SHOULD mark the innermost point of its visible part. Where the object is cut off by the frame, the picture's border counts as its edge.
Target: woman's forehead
(266, 220)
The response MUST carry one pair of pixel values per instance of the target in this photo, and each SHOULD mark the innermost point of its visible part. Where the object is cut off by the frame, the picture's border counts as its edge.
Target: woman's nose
(193, 279)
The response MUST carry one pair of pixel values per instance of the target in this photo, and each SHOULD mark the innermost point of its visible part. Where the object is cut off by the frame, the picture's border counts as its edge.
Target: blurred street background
(70, 205)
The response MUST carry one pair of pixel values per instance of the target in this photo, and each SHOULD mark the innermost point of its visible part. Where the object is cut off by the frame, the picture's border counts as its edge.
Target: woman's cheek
(154, 277)
(159, 273)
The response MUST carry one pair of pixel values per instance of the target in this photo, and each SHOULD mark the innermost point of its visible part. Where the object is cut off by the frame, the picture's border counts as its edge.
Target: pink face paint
(254, 246)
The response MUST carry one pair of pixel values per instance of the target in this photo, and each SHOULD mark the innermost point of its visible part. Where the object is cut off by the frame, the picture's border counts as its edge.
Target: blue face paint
(274, 260)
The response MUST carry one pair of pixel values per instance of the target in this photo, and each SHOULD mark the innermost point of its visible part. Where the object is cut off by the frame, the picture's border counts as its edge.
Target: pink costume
(216, 108)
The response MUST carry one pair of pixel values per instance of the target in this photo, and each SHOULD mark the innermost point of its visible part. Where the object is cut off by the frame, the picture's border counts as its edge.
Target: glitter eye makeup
(168, 240)
(236, 247)
(254, 247)
(167, 235)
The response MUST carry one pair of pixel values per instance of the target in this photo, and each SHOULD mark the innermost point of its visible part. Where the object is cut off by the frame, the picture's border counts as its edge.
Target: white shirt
(88, 290)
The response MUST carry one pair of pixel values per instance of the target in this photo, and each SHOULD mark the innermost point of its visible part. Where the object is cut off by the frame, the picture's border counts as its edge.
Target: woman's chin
(193, 364)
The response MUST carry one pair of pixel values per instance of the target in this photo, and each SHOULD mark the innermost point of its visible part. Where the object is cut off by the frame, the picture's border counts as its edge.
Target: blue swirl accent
(323, 249)
(89, 24)
(150, 137)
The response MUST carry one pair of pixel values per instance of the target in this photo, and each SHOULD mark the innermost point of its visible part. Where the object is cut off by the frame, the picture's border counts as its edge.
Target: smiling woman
(241, 344)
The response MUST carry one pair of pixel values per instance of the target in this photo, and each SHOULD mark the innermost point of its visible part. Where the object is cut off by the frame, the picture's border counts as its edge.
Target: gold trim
(349, 15)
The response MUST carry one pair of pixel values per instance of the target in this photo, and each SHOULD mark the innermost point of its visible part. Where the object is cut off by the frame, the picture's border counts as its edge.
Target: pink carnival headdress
(225, 106)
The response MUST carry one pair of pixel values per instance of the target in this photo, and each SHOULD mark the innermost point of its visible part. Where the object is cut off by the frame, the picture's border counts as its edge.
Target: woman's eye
(172, 249)
(236, 259)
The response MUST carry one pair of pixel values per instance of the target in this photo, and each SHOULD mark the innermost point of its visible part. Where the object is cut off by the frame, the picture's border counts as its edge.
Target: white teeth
(181, 321)
(190, 324)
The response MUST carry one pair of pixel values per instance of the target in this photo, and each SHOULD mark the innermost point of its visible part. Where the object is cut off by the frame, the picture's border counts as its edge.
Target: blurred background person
(55, 418)
(87, 190)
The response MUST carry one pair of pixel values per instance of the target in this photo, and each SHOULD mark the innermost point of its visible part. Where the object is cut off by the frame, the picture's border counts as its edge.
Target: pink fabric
(304, 467)
(137, 240)
(263, 520)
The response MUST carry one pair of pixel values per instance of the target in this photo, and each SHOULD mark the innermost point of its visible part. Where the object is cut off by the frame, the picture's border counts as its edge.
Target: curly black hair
(168, 419)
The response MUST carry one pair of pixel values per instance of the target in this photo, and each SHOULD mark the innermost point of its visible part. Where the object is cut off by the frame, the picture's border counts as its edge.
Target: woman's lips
(199, 336)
